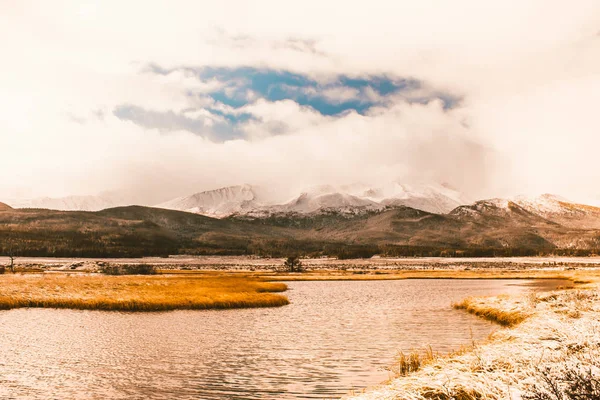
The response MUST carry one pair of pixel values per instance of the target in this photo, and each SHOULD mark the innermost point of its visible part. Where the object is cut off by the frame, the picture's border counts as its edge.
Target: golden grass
(412, 362)
(488, 273)
(491, 313)
(138, 293)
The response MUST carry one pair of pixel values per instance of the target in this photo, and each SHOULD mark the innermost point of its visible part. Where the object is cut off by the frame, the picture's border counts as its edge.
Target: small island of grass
(138, 293)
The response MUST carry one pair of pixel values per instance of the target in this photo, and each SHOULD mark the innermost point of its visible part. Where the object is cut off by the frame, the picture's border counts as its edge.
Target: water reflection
(334, 337)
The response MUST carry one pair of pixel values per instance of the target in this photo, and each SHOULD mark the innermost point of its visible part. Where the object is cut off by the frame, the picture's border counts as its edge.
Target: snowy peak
(561, 210)
(432, 198)
(217, 203)
(546, 207)
(308, 203)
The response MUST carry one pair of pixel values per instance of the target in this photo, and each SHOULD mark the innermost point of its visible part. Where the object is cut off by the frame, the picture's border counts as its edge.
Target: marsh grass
(491, 313)
(138, 293)
(408, 363)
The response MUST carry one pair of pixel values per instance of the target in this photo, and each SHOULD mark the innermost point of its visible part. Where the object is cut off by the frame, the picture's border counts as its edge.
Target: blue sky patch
(244, 85)
(276, 85)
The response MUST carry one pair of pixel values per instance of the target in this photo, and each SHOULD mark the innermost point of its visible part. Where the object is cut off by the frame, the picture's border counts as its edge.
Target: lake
(334, 337)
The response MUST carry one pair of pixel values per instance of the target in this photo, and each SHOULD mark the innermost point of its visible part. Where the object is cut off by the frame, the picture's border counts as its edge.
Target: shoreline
(547, 336)
(250, 263)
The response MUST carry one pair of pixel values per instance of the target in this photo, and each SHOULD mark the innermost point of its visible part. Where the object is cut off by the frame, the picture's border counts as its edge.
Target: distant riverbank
(253, 263)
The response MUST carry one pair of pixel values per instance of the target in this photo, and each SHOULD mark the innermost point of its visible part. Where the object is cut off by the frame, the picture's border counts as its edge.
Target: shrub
(293, 264)
(129, 269)
(574, 383)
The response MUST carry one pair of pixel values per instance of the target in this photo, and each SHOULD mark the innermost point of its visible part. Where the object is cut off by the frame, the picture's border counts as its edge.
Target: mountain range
(345, 221)
(258, 201)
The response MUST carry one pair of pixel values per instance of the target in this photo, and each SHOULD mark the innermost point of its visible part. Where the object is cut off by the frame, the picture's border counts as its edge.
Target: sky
(159, 99)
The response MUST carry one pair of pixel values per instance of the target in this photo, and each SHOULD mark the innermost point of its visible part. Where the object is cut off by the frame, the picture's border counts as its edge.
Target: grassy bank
(551, 351)
(574, 276)
(138, 293)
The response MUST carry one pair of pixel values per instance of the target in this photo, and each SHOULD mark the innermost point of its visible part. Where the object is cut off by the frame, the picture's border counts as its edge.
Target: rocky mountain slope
(217, 203)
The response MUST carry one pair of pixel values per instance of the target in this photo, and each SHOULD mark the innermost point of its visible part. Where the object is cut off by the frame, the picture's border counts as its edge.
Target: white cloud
(526, 71)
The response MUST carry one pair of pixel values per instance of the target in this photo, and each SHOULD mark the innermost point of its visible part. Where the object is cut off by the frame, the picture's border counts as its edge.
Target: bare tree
(12, 262)
(10, 253)
(293, 264)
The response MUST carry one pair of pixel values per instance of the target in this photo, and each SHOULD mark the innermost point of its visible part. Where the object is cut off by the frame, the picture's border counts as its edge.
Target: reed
(408, 363)
(138, 293)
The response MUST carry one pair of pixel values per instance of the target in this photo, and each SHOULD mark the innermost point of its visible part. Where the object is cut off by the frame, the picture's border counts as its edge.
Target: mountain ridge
(258, 201)
(483, 228)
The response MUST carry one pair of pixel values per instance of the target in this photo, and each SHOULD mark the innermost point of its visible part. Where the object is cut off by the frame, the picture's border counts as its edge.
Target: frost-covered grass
(138, 293)
(553, 349)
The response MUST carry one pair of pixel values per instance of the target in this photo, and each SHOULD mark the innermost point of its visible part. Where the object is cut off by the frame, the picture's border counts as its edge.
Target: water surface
(334, 337)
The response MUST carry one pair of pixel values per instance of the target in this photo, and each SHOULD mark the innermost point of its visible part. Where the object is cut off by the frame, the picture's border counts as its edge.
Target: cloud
(200, 122)
(496, 98)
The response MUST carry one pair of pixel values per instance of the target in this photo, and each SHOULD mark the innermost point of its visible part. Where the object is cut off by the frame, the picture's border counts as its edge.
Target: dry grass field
(138, 293)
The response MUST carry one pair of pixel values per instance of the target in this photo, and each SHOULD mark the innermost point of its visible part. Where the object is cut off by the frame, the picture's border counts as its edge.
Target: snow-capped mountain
(258, 201)
(218, 203)
(70, 203)
(434, 198)
(561, 210)
(247, 200)
(547, 207)
(308, 203)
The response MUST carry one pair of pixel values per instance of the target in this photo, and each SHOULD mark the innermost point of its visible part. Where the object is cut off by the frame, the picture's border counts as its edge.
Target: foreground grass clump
(481, 308)
(412, 362)
(138, 293)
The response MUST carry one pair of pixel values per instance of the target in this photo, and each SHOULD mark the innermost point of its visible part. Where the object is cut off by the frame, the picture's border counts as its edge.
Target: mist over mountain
(262, 200)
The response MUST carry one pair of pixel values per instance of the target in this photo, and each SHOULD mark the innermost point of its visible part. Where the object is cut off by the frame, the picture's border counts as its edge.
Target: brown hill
(499, 227)
(5, 207)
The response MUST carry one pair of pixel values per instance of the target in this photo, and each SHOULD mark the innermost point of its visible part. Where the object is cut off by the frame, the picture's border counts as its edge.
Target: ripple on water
(333, 338)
